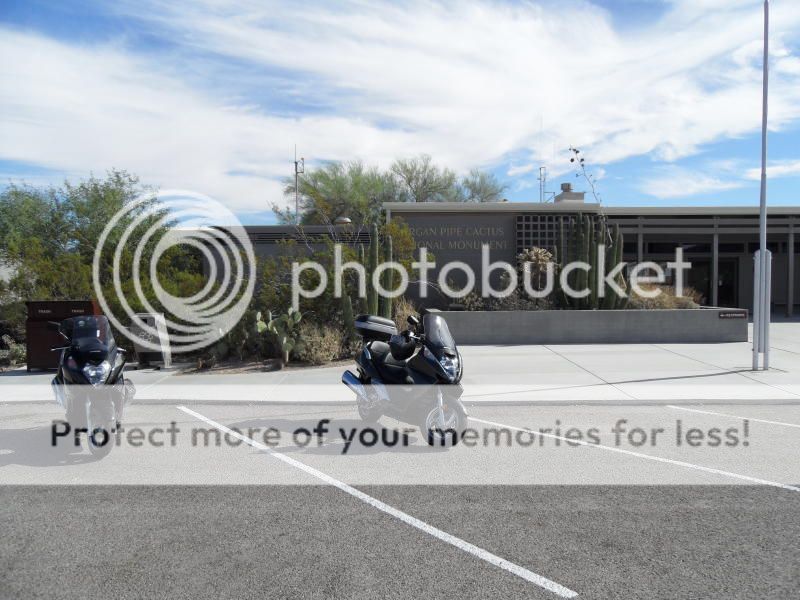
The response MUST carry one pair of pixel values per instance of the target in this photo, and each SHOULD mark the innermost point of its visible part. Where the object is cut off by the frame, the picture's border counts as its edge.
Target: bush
(666, 299)
(403, 308)
(321, 344)
(13, 354)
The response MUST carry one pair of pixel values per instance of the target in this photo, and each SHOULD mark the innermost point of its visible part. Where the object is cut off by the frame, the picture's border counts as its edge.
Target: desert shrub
(12, 354)
(473, 301)
(403, 307)
(519, 300)
(243, 340)
(321, 343)
(666, 299)
(538, 259)
(206, 360)
(12, 314)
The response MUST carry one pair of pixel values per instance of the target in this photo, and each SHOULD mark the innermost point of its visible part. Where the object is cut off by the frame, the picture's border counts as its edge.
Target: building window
(541, 231)
(773, 247)
(727, 248)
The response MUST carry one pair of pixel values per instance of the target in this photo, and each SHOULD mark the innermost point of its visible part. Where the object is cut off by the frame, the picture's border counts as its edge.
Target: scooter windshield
(83, 329)
(437, 333)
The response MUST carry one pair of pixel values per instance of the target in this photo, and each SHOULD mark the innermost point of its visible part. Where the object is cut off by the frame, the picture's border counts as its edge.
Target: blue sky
(663, 97)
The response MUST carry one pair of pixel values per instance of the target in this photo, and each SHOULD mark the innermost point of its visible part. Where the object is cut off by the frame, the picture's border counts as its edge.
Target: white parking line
(670, 461)
(485, 555)
(719, 414)
(156, 382)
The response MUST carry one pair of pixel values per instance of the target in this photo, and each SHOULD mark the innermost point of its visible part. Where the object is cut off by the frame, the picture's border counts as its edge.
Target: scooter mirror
(56, 326)
(412, 320)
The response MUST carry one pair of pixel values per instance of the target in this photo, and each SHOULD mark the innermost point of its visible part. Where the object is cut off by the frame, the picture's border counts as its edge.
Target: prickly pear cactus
(285, 330)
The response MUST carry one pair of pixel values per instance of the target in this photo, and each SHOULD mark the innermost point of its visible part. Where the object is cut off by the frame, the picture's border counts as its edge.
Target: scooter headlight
(450, 365)
(97, 374)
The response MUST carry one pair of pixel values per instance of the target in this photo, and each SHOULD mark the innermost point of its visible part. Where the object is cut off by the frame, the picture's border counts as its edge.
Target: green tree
(480, 186)
(339, 190)
(423, 181)
(352, 190)
(48, 238)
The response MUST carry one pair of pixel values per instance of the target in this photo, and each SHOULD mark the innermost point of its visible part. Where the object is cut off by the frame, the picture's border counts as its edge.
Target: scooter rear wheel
(368, 415)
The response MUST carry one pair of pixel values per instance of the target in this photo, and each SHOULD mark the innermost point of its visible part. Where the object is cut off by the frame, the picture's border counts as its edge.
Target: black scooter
(413, 376)
(90, 384)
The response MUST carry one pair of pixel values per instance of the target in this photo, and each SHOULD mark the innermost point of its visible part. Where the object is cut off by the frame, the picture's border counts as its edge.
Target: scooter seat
(391, 369)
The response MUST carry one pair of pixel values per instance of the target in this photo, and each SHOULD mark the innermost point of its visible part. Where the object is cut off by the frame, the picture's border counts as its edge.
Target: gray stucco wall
(705, 325)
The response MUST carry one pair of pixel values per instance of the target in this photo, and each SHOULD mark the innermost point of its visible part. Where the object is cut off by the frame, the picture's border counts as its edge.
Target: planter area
(687, 326)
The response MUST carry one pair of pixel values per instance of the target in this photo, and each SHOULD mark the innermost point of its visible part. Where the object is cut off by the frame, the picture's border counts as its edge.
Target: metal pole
(756, 307)
(790, 267)
(715, 268)
(765, 314)
(761, 299)
(640, 243)
(299, 167)
(542, 179)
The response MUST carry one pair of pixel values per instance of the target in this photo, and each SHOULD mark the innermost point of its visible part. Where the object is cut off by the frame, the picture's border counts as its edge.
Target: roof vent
(567, 195)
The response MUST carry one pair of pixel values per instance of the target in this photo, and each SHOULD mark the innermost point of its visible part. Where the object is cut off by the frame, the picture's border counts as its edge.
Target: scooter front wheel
(101, 426)
(443, 426)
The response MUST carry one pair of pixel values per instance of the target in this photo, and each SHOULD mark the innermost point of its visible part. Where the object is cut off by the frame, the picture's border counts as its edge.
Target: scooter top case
(373, 328)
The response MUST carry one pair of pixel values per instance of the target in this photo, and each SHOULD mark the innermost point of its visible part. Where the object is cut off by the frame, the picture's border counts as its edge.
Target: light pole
(299, 168)
(542, 182)
(763, 258)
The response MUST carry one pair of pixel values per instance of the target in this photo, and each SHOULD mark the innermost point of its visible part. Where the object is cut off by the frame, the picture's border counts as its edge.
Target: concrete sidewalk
(570, 374)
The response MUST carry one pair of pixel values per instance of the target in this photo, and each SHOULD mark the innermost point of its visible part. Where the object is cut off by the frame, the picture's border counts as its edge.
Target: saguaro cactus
(372, 294)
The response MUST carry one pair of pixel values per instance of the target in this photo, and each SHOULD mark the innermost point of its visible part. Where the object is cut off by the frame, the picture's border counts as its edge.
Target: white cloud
(515, 170)
(783, 168)
(676, 182)
(470, 83)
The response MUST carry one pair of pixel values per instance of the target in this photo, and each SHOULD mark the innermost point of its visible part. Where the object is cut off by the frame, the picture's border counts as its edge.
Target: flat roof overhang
(633, 211)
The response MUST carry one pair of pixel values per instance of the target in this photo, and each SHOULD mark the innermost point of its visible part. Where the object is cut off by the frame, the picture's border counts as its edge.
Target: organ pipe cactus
(372, 292)
(347, 316)
(377, 304)
(579, 240)
(387, 279)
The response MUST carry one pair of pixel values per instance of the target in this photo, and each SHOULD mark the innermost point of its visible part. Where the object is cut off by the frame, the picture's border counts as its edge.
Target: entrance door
(728, 284)
(699, 278)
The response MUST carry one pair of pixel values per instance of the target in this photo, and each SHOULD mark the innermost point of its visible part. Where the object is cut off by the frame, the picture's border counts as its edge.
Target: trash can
(39, 338)
(147, 356)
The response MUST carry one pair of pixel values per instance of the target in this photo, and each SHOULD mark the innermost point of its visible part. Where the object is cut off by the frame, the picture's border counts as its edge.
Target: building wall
(459, 230)
(455, 232)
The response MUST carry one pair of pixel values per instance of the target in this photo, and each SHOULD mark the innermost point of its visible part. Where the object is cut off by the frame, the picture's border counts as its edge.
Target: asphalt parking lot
(645, 508)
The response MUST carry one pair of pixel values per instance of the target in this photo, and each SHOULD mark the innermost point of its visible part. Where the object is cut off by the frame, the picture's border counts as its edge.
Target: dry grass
(320, 344)
(402, 309)
(666, 299)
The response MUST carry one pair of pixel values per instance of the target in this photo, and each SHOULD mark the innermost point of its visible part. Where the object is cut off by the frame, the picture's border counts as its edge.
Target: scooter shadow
(387, 440)
(32, 447)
